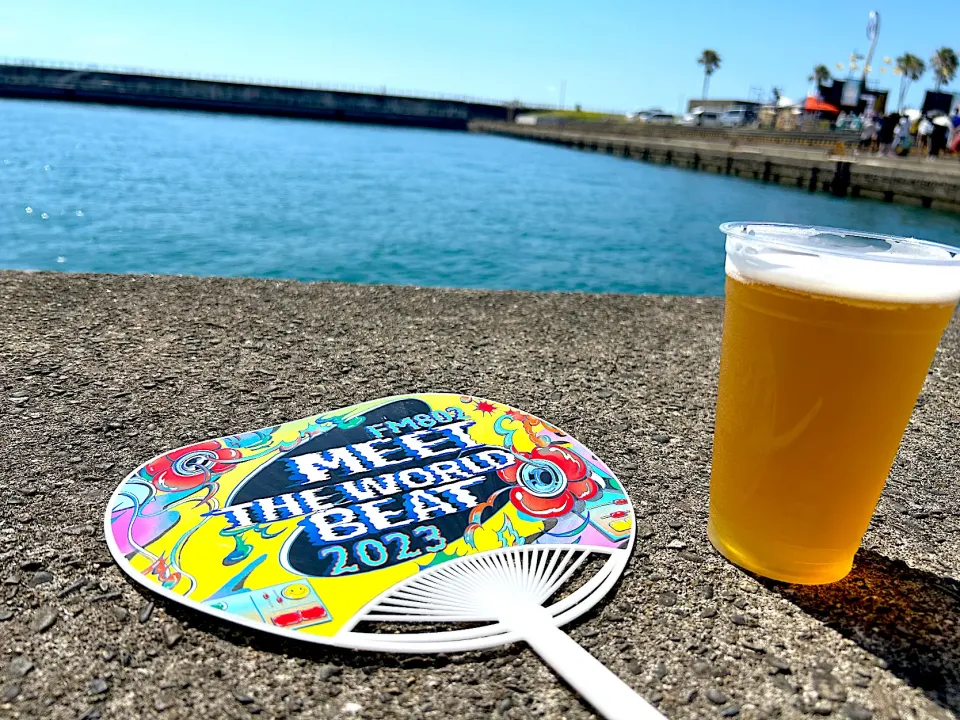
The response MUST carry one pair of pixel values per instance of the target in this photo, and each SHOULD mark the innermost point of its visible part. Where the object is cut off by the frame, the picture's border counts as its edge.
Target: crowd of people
(896, 134)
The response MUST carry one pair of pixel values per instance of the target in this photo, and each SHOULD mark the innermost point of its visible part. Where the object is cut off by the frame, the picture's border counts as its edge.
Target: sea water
(89, 188)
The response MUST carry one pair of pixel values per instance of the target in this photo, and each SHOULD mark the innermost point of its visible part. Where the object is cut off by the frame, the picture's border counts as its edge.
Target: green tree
(710, 60)
(910, 68)
(820, 75)
(777, 94)
(944, 64)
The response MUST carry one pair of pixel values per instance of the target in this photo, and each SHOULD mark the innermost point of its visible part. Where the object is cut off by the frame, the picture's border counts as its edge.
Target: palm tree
(944, 64)
(710, 60)
(820, 75)
(910, 68)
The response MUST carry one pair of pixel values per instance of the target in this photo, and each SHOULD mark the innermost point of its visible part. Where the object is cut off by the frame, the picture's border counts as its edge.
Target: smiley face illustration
(297, 591)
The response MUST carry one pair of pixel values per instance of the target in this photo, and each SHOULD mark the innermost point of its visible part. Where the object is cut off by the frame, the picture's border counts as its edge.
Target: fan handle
(608, 694)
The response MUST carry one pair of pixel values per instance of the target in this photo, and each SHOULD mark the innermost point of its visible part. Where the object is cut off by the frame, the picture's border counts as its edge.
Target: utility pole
(873, 32)
(563, 92)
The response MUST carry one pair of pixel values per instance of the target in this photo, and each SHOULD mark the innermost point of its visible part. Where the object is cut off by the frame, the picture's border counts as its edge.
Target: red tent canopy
(814, 105)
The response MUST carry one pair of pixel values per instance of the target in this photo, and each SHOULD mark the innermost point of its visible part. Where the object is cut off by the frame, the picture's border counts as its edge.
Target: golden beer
(815, 392)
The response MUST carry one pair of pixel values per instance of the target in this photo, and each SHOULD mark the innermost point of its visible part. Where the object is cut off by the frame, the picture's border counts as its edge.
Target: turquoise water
(104, 189)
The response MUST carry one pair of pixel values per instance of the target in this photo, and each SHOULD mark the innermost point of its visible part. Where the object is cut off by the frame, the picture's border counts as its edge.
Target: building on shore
(851, 96)
(940, 102)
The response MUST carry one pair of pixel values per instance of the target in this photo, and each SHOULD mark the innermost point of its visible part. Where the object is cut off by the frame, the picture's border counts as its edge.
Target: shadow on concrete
(319, 652)
(309, 651)
(907, 617)
(316, 652)
(325, 662)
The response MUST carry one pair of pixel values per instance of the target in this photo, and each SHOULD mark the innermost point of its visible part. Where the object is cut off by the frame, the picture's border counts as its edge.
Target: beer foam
(843, 263)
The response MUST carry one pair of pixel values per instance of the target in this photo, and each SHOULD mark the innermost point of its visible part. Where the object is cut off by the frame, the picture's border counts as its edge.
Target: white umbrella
(784, 101)
(943, 120)
(912, 113)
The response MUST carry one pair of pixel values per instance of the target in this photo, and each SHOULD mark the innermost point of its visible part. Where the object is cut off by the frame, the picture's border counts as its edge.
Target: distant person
(924, 128)
(868, 133)
(902, 139)
(938, 139)
(888, 126)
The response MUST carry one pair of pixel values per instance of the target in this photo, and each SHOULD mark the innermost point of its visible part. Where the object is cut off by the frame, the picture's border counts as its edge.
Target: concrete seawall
(812, 138)
(78, 85)
(912, 181)
(100, 373)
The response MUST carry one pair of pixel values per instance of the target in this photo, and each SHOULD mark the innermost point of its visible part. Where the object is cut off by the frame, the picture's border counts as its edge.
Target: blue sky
(613, 54)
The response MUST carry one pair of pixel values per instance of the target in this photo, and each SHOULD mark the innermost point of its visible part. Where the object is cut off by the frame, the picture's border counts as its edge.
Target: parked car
(738, 117)
(700, 118)
(644, 115)
(660, 119)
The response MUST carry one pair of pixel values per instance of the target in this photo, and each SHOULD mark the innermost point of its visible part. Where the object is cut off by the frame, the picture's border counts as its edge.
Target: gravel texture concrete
(99, 373)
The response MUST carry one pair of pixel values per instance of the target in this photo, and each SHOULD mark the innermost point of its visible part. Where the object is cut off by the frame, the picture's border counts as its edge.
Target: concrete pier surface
(915, 181)
(99, 373)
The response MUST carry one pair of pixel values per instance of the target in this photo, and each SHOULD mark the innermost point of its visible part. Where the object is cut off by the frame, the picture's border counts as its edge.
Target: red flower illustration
(549, 481)
(191, 466)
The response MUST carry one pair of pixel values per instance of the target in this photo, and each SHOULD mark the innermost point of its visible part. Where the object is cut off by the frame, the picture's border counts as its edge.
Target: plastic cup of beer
(827, 338)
